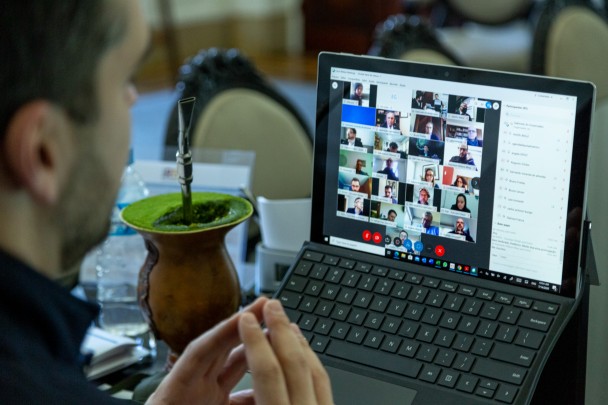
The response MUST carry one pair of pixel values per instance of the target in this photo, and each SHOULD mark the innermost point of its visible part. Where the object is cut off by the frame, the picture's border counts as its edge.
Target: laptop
(448, 229)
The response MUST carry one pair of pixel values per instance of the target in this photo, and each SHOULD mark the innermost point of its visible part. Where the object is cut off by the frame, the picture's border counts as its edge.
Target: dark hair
(358, 85)
(51, 50)
(391, 210)
(393, 145)
(464, 181)
(464, 197)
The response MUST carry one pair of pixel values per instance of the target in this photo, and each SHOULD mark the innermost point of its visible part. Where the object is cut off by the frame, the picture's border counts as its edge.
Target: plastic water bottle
(119, 259)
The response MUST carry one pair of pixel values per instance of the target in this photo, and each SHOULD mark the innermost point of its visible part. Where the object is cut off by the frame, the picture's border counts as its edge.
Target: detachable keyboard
(477, 341)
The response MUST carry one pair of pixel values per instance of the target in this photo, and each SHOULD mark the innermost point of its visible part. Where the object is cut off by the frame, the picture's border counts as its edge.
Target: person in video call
(389, 121)
(462, 110)
(393, 147)
(388, 170)
(403, 236)
(423, 196)
(459, 230)
(355, 185)
(472, 139)
(428, 130)
(358, 93)
(427, 220)
(417, 101)
(391, 215)
(64, 144)
(351, 138)
(357, 209)
(429, 176)
(437, 103)
(463, 157)
(358, 166)
(388, 193)
(460, 204)
(461, 182)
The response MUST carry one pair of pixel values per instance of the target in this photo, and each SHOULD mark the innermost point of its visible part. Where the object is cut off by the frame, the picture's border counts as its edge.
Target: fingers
(290, 353)
(320, 378)
(208, 352)
(284, 368)
(268, 381)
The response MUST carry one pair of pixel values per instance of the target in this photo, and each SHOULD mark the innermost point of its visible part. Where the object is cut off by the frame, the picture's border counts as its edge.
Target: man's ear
(32, 146)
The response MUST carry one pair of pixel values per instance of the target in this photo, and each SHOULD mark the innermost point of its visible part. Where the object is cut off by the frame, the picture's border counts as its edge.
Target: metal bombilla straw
(185, 107)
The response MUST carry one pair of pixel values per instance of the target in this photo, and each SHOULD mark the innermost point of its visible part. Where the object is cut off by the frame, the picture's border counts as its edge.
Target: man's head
(359, 203)
(427, 219)
(65, 120)
(459, 225)
(351, 134)
(389, 163)
(463, 108)
(392, 214)
(358, 89)
(390, 118)
(403, 235)
(463, 149)
(428, 128)
(472, 133)
(388, 191)
(359, 165)
(393, 147)
(355, 185)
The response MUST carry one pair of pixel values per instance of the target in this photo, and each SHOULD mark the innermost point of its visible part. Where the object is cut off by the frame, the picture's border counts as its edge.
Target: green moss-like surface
(163, 213)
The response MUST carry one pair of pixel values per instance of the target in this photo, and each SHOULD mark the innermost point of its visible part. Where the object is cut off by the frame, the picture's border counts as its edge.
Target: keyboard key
(303, 268)
(499, 371)
(431, 316)
(487, 329)
(319, 343)
(426, 334)
(529, 338)
(319, 271)
(374, 321)
(472, 307)
(430, 282)
(391, 325)
(445, 358)
(413, 278)
(467, 383)
(330, 292)
(409, 329)
(340, 331)
(324, 309)
(307, 322)
(426, 353)
(468, 324)
(482, 347)
(523, 303)
(396, 307)
(331, 260)
(296, 284)
(362, 299)
(314, 256)
(448, 378)
(430, 373)
(347, 263)
(340, 312)
(374, 358)
(436, 298)
(334, 275)
(506, 393)
(356, 335)
(346, 296)
(463, 343)
(367, 283)
(449, 320)
(513, 354)
(323, 326)
(510, 315)
(373, 339)
(490, 311)
(363, 267)
(390, 344)
(401, 291)
(454, 303)
(408, 348)
(545, 307)
(485, 295)
(504, 298)
(413, 312)
(506, 333)
(484, 392)
(448, 286)
(308, 304)
(314, 288)
(396, 274)
(445, 338)
(464, 362)
(466, 290)
(384, 287)
(290, 299)
(351, 279)
(418, 295)
(535, 320)
(380, 271)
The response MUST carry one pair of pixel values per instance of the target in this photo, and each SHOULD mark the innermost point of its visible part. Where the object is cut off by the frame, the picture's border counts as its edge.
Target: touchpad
(351, 389)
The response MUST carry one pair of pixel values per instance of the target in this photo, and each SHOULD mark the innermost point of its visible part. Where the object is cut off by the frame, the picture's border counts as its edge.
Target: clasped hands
(284, 369)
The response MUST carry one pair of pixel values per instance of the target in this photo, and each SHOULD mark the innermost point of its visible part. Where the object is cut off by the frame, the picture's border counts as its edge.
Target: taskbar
(469, 270)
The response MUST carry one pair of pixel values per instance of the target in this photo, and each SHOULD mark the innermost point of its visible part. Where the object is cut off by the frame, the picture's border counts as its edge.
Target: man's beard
(83, 213)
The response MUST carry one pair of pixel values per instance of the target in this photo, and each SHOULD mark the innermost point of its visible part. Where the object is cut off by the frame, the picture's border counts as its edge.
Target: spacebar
(374, 358)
